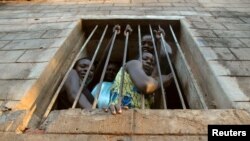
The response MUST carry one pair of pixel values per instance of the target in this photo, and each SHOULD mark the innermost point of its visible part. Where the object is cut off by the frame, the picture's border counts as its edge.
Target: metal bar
(158, 69)
(52, 101)
(127, 31)
(173, 72)
(105, 68)
(103, 54)
(140, 53)
(67, 73)
(140, 46)
(185, 61)
(82, 84)
(95, 54)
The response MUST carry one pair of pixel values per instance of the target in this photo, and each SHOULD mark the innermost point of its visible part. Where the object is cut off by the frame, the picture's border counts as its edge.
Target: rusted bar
(158, 69)
(127, 31)
(140, 55)
(94, 56)
(116, 31)
(67, 74)
(104, 53)
(172, 70)
(82, 84)
(185, 61)
(139, 39)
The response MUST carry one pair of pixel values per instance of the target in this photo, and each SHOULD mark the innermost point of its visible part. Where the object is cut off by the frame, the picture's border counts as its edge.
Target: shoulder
(73, 76)
(73, 73)
(133, 66)
(133, 63)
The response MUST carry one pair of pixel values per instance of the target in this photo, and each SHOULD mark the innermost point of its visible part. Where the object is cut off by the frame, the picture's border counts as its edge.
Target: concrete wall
(31, 33)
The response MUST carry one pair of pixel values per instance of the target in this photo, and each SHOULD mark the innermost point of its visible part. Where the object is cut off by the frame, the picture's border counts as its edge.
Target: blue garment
(104, 96)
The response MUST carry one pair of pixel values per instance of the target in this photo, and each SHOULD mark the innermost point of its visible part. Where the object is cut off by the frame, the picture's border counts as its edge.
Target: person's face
(148, 63)
(111, 72)
(147, 44)
(82, 68)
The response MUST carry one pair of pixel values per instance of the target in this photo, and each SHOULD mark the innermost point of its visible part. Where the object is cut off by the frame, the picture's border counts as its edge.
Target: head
(111, 71)
(147, 44)
(148, 62)
(81, 68)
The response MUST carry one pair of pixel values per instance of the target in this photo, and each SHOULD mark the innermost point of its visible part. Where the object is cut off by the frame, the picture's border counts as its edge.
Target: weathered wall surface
(77, 124)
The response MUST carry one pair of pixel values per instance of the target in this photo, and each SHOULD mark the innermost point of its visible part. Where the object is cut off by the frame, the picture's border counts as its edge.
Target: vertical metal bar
(104, 53)
(104, 69)
(95, 54)
(158, 69)
(82, 84)
(127, 31)
(139, 39)
(172, 70)
(140, 53)
(67, 73)
(185, 61)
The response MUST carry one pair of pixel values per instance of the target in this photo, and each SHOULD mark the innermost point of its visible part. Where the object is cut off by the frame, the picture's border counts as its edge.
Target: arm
(72, 85)
(142, 81)
(160, 46)
(166, 79)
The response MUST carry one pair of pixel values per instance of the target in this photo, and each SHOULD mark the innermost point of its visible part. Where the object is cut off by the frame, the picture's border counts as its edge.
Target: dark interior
(173, 101)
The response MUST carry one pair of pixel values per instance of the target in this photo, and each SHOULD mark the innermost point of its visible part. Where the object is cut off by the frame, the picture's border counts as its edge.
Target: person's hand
(114, 104)
(159, 32)
(115, 109)
(167, 79)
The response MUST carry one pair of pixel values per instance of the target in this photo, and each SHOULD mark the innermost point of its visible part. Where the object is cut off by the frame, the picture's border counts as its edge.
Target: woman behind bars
(137, 79)
(72, 85)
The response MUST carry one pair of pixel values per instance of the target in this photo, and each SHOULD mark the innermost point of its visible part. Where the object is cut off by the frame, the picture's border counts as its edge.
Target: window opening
(129, 50)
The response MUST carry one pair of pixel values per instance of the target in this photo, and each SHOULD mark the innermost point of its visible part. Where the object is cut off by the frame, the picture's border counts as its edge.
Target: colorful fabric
(104, 95)
(131, 97)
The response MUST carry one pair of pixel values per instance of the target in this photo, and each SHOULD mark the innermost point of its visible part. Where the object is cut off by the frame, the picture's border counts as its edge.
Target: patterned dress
(131, 96)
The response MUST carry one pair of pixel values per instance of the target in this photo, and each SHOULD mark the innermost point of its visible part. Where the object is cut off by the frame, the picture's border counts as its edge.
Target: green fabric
(131, 97)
